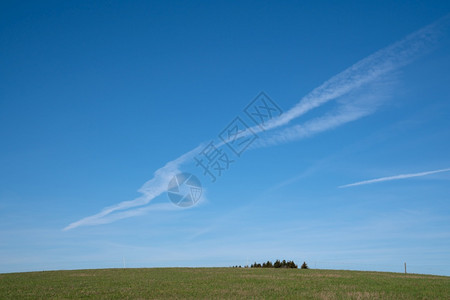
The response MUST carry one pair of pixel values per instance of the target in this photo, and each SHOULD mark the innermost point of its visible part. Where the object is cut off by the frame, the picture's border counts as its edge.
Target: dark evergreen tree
(304, 266)
(277, 264)
(291, 264)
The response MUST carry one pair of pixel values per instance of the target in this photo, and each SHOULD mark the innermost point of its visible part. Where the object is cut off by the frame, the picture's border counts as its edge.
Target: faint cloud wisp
(396, 177)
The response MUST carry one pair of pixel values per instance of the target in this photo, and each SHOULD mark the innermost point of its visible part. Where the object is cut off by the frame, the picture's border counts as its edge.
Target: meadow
(219, 283)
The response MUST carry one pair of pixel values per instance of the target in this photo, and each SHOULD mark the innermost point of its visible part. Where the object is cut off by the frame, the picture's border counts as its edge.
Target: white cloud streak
(396, 177)
(365, 72)
(355, 106)
(151, 189)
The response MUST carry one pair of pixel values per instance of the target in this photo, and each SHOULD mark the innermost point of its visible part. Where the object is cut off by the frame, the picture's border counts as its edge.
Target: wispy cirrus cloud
(354, 106)
(353, 84)
(151, 189)
(366, 71)
(364, 85)
(395, 177)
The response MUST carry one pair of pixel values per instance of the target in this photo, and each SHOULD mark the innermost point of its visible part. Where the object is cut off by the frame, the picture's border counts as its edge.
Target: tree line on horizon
(277, 264)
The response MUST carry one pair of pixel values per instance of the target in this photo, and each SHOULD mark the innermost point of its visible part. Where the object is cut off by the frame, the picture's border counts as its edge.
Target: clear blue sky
(97, 97)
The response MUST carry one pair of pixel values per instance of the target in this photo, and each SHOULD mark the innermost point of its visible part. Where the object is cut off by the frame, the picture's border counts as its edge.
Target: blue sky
(105, 102)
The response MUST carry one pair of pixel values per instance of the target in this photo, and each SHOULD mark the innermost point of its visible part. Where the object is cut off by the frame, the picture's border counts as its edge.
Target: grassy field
(207, 283)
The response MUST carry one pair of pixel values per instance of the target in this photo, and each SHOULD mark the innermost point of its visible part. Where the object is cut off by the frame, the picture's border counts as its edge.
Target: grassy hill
(195, 283)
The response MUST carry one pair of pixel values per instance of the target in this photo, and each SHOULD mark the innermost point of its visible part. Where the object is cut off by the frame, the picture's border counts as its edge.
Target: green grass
(218, 283)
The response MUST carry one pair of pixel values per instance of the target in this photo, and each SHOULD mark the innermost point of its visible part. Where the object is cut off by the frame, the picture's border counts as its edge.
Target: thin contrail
(396, 177)
(366, 71)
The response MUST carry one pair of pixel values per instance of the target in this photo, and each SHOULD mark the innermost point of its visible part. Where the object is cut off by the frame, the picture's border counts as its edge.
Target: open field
(195, 283)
